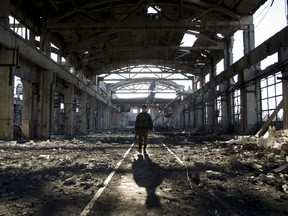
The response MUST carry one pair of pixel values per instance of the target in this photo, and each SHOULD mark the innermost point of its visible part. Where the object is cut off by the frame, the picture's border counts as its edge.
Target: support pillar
(283, 56)
(44, 112)
(226, 111)
(6, 101)
(69, 110)
(249, 37)
(99, 121)
(27, 109)
(285, 100)
(248, 94)
(92, 122)
(199, 117)
(105, 116)
(4, 12)
(6, 82)
(83, 113)
(199, 110)
(113, 118)
(211, 104)
(250, 105)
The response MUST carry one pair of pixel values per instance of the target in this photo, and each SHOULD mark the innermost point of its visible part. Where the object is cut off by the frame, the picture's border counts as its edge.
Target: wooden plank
(265, 126)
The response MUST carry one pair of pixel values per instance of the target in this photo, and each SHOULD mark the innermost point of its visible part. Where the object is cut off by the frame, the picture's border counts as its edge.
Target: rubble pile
(38, 177)
(213, 175)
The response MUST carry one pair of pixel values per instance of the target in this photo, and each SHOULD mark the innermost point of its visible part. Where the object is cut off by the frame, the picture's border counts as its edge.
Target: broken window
(237, 106)
(271, 96)
(19, 28)
(218, 111)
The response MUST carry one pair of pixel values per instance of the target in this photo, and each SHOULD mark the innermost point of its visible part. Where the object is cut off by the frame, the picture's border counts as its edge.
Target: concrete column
(109, 116)
(27, 109)
(283, 56)
(69, 110)
(211, 103)
(248, 94)
(249, 38)
(32, 39)
(226, 110)
(92, 122)
(250, 106)
(83, 113)
(199, 117)
(6, 101)
(4, 12)
(105, 116)
(35, 104)
(100, 121)
(45, 43)
(192, 114)
(44, 108)
(6, 82)
(210, 114)
(113, 118)
(199, 110)
(285, 99)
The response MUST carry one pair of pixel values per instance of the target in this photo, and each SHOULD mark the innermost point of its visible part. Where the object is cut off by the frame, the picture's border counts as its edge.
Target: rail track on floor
(86, 211)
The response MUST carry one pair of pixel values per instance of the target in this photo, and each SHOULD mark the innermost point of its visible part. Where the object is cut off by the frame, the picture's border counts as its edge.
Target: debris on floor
(213, 174)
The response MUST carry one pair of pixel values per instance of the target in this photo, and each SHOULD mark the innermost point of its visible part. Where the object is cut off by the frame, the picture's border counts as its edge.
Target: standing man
(143, 126)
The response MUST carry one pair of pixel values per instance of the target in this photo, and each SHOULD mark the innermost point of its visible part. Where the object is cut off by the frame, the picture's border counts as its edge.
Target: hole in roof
(188, 40)
(220, 35)
(153, 10)
(154, 13)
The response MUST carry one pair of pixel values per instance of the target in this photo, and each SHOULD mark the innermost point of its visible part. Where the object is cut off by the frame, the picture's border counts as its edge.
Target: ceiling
(107, 35)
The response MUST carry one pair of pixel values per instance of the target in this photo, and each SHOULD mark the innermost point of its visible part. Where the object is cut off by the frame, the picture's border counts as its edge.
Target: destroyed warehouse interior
(75, 73)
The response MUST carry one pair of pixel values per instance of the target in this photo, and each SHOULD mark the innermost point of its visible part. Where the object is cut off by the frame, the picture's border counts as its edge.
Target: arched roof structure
(168, 84)
(101, 36)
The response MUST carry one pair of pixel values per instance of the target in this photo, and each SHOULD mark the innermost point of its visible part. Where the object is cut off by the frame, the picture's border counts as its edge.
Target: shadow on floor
(148, 174)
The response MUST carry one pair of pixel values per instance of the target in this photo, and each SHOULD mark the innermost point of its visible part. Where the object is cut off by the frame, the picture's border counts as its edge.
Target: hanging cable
(265, 13)
(262, 11)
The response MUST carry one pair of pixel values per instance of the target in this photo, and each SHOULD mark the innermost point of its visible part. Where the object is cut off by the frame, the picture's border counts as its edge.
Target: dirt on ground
(104, 174)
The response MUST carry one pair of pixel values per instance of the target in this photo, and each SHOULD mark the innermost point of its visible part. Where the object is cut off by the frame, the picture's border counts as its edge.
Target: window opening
(218, 111)
(237, 106)
(271, 96)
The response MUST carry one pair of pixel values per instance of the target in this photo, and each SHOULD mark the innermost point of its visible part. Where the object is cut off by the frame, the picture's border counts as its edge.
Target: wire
(262, 11)
(272, 1)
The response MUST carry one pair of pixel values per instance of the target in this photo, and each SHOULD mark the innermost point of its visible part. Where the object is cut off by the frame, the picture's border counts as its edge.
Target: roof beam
(99, 50)
(144, 26)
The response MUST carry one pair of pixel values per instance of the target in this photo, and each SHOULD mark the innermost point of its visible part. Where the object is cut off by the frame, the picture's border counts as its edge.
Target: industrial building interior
(73, 77)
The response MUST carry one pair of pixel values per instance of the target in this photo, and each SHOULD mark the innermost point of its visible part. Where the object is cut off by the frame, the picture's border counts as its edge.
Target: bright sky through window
(151, 10)
(188, 40)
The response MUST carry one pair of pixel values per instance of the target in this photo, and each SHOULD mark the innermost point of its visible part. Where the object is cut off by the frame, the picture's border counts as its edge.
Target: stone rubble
(60, 171)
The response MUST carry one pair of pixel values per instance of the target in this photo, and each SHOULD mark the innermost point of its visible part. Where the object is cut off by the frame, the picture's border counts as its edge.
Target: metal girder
(105, 35)
(98, 51)
(169, 84)
(142, 26)
(269, 47)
